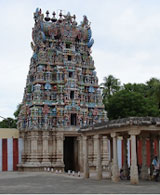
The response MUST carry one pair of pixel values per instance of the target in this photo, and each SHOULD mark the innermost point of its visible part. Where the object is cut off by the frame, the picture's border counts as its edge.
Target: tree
(154, 89)
(139, 88)
(129, 103)
(110, 86)
(151, 85)
(16, 113)
(8, 123)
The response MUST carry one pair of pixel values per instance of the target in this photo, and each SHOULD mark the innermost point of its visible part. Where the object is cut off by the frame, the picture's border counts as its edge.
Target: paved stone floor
(47, 182)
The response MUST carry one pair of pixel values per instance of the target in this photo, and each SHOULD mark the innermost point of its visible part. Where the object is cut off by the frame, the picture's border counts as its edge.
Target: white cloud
(137, 67)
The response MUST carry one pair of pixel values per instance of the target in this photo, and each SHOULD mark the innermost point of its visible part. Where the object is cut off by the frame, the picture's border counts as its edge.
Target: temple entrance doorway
(71, 154)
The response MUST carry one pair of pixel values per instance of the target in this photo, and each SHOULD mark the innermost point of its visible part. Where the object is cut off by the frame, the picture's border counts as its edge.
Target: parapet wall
(136, 121)
(9, 133)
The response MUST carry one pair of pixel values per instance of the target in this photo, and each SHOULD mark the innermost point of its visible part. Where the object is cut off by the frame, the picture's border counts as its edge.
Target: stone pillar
(158, 146)
(24, 153)
(53, 149)
(94, 151)
(85, 151)
(60, 141)
(110, 157)
(28, 152)
(115, 170)
(144, 169)
(111, 149)
(45, 160)
(40, 147)
(80, 157)
(151, 153)
(125, 156)
(98, 161)
(34, 149)
(134, 168)
(105, 158)
(76, 154)
(90, 151)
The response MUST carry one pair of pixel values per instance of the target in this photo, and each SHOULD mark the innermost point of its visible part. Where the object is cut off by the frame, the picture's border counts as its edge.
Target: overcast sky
(126, 34)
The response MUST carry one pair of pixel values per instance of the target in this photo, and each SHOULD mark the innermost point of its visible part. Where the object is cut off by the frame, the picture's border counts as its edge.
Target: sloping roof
(136, 121)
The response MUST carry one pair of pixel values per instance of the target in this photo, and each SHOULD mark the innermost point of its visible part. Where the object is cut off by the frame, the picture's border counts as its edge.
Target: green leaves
(11, 122)
(131, 99)
(16, 113)
(127, 103)
(110, 86)
(8, 123)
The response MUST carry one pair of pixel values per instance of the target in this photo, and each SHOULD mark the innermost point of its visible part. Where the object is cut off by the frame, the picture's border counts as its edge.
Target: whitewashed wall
(10, 154)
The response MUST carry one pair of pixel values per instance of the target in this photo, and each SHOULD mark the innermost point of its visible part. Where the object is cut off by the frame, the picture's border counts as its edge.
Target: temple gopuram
(61, 96)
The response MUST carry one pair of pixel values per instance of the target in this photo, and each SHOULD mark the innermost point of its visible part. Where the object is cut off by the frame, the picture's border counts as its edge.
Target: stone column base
(59, 166)
(134, 175)
(144, 174)
(30, 166)
(46, 164)
(115, 174)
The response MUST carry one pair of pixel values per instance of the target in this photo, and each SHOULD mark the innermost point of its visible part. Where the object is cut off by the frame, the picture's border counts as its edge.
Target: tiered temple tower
(62, 93)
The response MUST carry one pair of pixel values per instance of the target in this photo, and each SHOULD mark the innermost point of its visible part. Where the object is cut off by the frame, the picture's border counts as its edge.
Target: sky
(126, 35)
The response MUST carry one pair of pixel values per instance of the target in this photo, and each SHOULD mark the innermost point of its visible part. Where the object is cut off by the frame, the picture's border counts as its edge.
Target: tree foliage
(129, 103)
(154, 89)
(109, 87)
(16, 113)
(132, 99)
(11, 122)
(8, 123)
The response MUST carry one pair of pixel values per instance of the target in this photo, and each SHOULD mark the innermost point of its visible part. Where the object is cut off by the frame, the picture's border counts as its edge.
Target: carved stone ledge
(113, 134)
(134, 132)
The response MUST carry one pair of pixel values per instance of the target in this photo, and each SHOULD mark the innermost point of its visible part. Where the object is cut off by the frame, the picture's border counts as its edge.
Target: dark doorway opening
(68, 45)
(73, 119)
(69, 58)
(70, 74)
(71, 154)
(72, 95)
